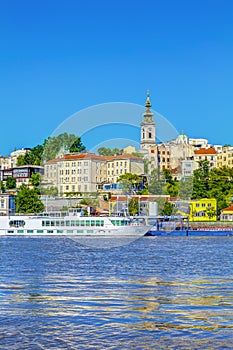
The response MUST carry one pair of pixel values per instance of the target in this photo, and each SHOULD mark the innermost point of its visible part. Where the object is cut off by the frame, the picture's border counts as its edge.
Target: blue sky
(58, 57)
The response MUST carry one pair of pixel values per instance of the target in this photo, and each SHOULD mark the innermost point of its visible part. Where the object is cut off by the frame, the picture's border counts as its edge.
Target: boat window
(49, 231)
(52, 223)
(89, 231)
(69, 231)
(92, 222)
(88, 223)
(30, 231)
(102, 222)
(10, 231)
(47, 223)
(57, 223)
(82, 223)
(39, 231)
(17, 223)
(72, 223)
(97, 222)
(59, 231)
(67, 223)
(79, 231)
(20, 231)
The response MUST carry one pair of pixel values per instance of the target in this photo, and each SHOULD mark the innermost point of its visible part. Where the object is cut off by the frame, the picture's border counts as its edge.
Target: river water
(154, 293)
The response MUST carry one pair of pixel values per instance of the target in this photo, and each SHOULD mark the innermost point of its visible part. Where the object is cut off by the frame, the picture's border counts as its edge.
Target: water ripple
(164, 293)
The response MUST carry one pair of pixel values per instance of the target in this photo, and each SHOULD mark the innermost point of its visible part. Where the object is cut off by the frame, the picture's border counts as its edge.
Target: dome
(182, 138)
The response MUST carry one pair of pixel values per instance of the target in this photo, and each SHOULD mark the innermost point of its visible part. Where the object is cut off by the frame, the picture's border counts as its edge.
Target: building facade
(22, 174)
(89, 172)
(148, 129)
(225, 157)
(208, 154)
(204, 209)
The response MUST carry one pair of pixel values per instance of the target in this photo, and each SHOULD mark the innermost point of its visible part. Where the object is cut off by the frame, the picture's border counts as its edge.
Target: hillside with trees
(51, 148)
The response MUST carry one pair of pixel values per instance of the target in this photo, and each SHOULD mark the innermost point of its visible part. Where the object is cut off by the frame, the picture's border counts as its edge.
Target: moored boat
(71, 224)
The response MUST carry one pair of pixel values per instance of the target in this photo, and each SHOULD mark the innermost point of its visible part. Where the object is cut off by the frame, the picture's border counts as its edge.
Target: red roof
(210, 150)
(94, 156)
(230, 208)
(123, 156)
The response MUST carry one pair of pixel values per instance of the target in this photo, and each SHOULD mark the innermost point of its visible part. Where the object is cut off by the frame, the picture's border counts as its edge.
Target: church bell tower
(148, 129)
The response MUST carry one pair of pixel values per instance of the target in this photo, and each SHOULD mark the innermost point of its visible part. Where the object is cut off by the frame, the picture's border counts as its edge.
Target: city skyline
(58, 59)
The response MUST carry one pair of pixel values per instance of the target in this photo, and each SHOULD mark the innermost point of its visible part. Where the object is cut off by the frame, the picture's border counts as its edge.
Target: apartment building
(88, 172)
(11, 160)
(208, 154)
(122, 164)
(75, 173)
(22, 174)
(204, 209)
(7, 204)
(225, 158)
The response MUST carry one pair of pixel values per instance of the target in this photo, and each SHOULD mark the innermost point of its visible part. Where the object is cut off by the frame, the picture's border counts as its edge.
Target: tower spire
(148, 103)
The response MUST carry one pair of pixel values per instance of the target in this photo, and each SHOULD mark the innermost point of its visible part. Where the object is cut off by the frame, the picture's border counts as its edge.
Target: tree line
(205, 183)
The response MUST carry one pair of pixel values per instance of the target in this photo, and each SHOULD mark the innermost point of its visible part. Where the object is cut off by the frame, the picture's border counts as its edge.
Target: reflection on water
(156, 293)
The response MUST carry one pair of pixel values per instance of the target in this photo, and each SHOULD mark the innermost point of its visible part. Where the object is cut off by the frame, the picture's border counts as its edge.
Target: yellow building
(122, 164)
(225, 158)
(204, 209)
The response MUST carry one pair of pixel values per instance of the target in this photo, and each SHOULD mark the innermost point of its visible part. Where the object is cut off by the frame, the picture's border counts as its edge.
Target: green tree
(35, 180)
(129, 182)
(10, 183)
(105, 151)
(171, 185)
(31, 157)
(77, 146)
(2, 187)
(210, 212)
(157, 184)
(133, 206)
(28, 201)
(185, 188)
(167, 209)
(137, 154)
(201, 180)
(63, 142)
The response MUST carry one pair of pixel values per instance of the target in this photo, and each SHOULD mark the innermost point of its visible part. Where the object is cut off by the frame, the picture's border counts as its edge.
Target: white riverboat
(71, 224)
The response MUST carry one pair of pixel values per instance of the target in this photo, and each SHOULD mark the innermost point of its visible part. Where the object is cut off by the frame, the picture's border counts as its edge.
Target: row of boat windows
(68, 223)
(49, 231)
